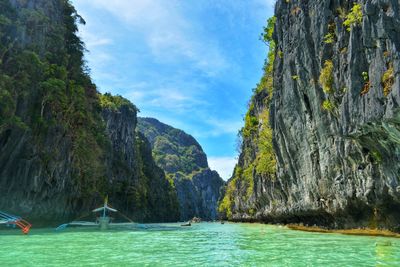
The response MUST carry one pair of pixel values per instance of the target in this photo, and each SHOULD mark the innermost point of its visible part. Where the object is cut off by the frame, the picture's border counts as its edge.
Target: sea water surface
(203, 244)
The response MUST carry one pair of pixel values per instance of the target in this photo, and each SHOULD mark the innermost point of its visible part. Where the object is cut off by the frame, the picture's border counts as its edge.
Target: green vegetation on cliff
(326, 77)
(59, 137)
(44, 85)
(354, 17)
(257, 156)
(115, 102)
(178, 153)
(185, 163)
(335, 120)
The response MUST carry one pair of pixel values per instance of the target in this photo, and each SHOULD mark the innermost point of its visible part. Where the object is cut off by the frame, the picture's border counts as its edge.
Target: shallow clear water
(204, 244)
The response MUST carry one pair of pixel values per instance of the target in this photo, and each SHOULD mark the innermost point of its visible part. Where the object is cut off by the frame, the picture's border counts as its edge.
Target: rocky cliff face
(185, 163)
(334, 116)
(63, 147)
(138, 186)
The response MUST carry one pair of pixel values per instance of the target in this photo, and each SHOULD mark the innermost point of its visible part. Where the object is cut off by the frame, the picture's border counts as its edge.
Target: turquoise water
(204, 244)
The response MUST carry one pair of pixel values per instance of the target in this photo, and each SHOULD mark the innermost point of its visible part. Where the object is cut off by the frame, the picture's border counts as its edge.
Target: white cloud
(92, 40)
(224, 126)
(167, 62)
(217, 127)
(95, 44)
(169, 34)
(100, 58)
(167, 98)
(266, 3)
(223, 165)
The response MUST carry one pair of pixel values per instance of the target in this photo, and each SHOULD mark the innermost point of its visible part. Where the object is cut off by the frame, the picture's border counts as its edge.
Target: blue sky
(190, 64)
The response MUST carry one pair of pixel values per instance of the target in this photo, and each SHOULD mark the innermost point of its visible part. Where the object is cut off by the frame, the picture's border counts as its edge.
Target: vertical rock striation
(334, 115)
(137, 186)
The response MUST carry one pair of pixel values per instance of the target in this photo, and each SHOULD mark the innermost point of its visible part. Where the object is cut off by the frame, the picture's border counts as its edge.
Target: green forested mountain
(175, 151)
(185, 163)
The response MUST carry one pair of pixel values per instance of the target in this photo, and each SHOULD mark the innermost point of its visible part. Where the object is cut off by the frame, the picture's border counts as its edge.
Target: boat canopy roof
(104, 208)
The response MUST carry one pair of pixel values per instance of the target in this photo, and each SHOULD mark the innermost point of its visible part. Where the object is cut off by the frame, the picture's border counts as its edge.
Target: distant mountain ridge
(185, 162)
(174, 150)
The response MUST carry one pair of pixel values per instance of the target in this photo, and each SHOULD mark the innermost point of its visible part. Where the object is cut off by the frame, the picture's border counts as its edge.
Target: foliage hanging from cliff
(388, 80)
(257, 156)
(265, 159)
(354, 17)
(330, 37)
(328, 106)
(267, 78)
(326, 77)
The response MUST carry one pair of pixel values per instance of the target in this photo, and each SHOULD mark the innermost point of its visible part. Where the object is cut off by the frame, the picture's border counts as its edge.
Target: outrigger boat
(104, 221)
(13, 221)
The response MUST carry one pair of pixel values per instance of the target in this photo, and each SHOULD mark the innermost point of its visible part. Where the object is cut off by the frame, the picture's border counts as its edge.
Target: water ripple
(205, 244)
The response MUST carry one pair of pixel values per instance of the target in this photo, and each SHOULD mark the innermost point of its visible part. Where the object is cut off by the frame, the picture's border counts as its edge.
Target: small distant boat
(12, 220)
(186, 224)
(103, 222)
(222, 222)
(195, 220)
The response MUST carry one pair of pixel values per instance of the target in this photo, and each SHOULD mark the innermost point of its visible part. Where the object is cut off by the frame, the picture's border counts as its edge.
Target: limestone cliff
(138, 186)
(185, 163)
(64, 147)
(334, 115)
